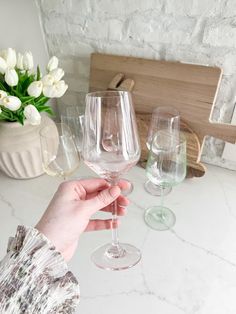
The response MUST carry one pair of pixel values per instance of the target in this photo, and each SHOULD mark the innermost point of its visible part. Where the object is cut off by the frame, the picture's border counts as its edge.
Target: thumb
(102, 199)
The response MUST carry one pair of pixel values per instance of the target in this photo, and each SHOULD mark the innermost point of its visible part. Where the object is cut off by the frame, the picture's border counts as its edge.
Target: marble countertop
(189, 269)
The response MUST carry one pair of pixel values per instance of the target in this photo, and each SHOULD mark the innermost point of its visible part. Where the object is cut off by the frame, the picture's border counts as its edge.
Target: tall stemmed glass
(74, 119)
(59, 154)
(110, 148)
(166, 166)
(163, 118)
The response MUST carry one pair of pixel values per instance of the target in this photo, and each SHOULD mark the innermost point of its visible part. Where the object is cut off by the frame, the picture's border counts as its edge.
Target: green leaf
(20, 119)
(41, 100)
(26, 99)
(2, 87)
(38, 74)
(7, 114)
(26, 83)
(46, 109)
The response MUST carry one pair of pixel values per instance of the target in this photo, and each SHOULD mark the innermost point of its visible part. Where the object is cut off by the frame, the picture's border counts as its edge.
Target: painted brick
(58, 6)
(77, 84)
(55, 24)
(230, 8)
(197, 31)
(162, 29)
(220, 32)
(193, 7)
(68, 65)
(114, 8)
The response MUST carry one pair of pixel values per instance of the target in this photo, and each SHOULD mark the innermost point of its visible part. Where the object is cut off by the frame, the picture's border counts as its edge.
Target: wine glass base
(159, 218)
(104, 258)
(156, 190)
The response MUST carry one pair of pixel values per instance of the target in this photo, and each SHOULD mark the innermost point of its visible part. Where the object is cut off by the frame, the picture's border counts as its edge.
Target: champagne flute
(166, 166)
(110, 148)
(59, 154)
(163, 117)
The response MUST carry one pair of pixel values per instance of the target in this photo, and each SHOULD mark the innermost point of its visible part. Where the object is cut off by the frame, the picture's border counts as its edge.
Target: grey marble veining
(189, 269)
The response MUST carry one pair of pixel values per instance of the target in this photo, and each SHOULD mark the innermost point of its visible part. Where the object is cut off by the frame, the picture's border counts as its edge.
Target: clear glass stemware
(166, 166)
(59, 154)
(110, 148)
(74, 119)
(163, 118)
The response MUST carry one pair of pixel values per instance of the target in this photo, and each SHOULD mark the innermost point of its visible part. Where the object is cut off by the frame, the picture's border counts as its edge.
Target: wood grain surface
(191, 89)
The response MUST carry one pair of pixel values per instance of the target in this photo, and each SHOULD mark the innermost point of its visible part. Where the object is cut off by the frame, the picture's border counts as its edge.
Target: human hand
(69, 212)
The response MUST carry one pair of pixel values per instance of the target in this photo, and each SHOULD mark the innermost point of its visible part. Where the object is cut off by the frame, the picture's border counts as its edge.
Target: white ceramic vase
(20, 152)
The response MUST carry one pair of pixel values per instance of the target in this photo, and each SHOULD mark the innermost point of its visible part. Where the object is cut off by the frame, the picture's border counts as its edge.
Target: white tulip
(35, 89)
(10, 56)
(11, 77)
(52, 64)
(49, 91)
(32, 115)
(3, 66)
(56, 90)
(61, 88)
(3, 94)
(28, 61)
(48, 80)
(57, 74)
(11, 102)
(19, 63)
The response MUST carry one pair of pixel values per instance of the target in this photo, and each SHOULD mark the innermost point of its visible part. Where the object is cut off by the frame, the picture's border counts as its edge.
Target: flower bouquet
(23, 92)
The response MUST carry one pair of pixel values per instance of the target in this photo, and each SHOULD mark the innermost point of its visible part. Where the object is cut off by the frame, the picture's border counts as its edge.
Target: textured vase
(20, 152)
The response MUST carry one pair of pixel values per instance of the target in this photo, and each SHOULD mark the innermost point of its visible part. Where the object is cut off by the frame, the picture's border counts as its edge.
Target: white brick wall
(200, 31)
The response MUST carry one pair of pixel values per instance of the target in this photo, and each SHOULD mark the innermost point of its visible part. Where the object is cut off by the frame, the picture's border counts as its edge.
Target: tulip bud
(32, 115)
(10, 56)
(19, 63)
(3, 94)
(11, 77)
(28, 62)
(3, 66)
(57, 74)
(11, 102)
(52, 64)
(48, 80)
(0, 110)
(35, 89)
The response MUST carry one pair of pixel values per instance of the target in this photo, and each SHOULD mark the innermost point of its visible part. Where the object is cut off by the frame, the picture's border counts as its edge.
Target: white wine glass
(74, 119)
(166, 166)
(110, 148)
(59, 153)
(163, 118)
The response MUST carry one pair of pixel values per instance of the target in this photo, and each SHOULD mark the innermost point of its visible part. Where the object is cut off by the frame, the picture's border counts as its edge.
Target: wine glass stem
(114, 230)
(162, 202)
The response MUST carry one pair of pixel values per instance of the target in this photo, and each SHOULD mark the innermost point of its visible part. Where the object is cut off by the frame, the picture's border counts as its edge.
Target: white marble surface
(190, 269)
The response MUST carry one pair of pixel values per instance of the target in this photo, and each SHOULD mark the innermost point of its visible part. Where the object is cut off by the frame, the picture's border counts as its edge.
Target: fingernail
(114, 191)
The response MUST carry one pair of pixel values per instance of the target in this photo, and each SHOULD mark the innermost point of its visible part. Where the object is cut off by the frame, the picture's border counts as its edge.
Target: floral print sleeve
(34, 277)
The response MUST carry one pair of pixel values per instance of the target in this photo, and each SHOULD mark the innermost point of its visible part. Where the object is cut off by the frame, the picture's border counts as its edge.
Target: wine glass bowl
(166, 166)
(59, 154)
(111, 145)
(163, 118)
(110, 148)
(74, 119)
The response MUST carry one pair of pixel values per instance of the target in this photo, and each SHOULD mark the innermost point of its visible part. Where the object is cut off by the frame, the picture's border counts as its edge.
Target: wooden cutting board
(191, 89)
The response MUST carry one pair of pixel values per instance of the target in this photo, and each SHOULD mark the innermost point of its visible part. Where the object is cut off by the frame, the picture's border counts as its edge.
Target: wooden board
(190, 88)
